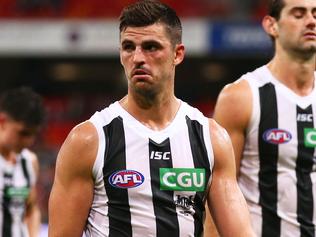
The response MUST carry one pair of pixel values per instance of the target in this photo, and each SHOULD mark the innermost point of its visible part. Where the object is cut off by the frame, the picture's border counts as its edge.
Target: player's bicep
(223, 178)
(72, 191)
(226, 202)
(233, 112)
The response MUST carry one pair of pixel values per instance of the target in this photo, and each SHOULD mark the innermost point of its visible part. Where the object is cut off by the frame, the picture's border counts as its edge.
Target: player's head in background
(291, 24)
(21, 115)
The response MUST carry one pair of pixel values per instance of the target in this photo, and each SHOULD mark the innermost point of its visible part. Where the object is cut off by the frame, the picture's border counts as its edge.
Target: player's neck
(297, 75)
(156, 115)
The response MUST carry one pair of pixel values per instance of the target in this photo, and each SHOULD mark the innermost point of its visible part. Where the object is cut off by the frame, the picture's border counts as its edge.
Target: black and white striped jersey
(15, 183)
(277, 174)
(150, 183)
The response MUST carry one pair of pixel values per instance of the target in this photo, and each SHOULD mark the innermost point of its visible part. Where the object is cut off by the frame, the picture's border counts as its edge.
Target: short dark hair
(148, 12)
(23, 105)
(275, 8)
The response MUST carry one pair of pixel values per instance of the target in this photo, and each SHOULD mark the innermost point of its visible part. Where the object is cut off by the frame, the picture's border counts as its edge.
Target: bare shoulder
(234, 105)
(235, 94)
(239, 89)
(219, 135)
(79, 150)
(222, 149)
(84, 134)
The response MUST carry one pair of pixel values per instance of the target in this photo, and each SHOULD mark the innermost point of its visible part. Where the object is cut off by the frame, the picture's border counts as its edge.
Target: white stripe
(287, 191)
(142, 210)
(180, 147)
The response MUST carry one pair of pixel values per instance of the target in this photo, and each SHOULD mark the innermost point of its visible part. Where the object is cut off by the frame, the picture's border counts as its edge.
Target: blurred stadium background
(67, 50)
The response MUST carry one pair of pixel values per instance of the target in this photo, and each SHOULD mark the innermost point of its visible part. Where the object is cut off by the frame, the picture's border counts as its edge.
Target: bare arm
(72, 191)
(233, 111)
(209, 226)
(33, 214)
(225, 200)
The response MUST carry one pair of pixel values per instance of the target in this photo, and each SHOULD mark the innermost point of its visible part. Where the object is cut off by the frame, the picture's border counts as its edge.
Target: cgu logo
(182, 179)
(277, 136)
(310, 137)
(126, 179)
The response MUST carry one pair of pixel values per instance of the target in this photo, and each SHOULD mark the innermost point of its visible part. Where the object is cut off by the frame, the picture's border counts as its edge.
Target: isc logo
(160, 155)
(305, 118)
(277, 136)
(126, 179)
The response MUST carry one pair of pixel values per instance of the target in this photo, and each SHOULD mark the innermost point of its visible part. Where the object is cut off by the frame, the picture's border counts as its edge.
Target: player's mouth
(140, 74)
(310, 35)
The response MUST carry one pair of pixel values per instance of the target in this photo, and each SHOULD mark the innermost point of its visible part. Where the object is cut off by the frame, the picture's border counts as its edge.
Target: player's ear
(270, 26)
(179, 53)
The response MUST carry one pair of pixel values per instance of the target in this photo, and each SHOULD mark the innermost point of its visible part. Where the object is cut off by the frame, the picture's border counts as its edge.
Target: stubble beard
(145, 97)
(305, 52)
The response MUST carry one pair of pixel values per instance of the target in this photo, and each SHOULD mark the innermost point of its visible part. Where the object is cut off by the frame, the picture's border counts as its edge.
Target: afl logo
(277, 136)
(126, 179)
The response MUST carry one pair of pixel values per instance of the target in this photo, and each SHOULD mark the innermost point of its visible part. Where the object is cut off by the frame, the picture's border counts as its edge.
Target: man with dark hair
(146, 165)
(270, 116)
(21, 115)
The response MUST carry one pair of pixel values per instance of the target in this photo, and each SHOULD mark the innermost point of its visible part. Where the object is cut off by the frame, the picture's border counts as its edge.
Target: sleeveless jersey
(277, 173)
(150, 183)
(15, 183)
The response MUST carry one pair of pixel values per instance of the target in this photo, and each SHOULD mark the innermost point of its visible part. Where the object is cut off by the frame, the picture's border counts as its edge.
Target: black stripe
(268, 155)
(25, 171)
(27, 177)
(115, 160)
(200, 159)
(7, 218)
(304, 165)
(164, 207)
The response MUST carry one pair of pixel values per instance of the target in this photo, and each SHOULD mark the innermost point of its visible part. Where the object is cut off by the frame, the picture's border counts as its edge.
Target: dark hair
(275, 8)
(23, 105)
(148, 12)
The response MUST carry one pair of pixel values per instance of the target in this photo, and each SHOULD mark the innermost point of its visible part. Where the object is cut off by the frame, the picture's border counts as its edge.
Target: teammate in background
(270, 115)
(145, 165)
(21, 115)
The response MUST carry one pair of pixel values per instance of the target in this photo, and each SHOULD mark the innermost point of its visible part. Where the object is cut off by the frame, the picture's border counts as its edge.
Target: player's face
(296, 28)
(149, 58)
(16, 135)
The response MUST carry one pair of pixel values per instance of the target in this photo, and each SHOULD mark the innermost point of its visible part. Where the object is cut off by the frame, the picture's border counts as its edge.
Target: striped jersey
(15, 183)
(277, 173)
(150, 183)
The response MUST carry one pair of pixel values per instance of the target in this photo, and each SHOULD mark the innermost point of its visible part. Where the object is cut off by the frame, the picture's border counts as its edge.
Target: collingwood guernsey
(150, 183)
(277, 173)
(15, 185)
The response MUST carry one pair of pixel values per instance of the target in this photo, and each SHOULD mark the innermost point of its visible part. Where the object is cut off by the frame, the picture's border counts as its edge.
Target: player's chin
(145, 89)
(143, 86)
(18, 149)
(142, 82)
(311, 48)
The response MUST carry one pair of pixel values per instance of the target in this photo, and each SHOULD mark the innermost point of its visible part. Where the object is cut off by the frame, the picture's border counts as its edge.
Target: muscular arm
(33, 214)
(225, 200)
(232, 111)
(72, 191)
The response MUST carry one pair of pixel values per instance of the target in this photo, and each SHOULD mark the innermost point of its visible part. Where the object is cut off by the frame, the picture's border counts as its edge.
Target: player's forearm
(210, 229)
(33, 221)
